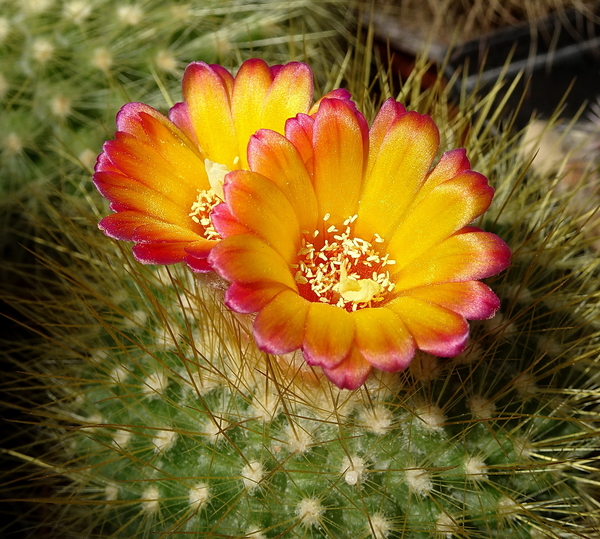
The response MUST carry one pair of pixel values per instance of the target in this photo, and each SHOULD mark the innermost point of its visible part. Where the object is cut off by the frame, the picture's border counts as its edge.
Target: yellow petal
(260, 205)
(273, 156)
(451, 164)
(290, 94)
(207, 98)
(387, 116)
(448, 208)
(329, 335)
(339, 141)
(397, 170)
(461, 257)
(383, 339)
(250, 88)
(436, 330)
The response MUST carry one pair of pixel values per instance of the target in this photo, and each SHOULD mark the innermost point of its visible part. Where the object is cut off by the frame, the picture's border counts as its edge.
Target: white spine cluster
(150, 499)
(252, 474)
(199, 495)
(155, 384)
(309, 511)
(419, 481)
(380, 526)
(164, 440)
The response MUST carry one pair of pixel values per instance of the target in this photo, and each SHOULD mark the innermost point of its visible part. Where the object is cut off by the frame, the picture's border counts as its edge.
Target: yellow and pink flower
(351, 247)
(164, 175)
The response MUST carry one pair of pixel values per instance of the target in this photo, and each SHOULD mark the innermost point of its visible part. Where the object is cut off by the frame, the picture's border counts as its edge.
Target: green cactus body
(166, 420)
(188, 429)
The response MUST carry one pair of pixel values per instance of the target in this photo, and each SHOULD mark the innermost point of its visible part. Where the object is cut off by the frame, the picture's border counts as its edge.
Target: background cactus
(154, 414)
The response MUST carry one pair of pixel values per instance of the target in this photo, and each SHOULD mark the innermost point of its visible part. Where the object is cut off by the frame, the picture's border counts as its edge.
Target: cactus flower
(351, 247)
(163, 175)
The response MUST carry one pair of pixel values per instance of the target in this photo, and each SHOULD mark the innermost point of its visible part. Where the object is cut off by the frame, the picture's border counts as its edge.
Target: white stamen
(335, 271)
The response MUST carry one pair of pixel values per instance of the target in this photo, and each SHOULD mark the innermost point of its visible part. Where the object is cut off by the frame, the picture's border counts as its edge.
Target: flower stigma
(207, 199)
(341, 269)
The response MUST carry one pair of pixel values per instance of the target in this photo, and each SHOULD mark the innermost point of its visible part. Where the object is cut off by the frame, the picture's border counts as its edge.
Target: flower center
(201, 210)
(207, 199)
(341, 269)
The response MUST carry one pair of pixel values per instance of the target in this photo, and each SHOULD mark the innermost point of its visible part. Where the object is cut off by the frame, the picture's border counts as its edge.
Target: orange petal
(251, 298)
(200, 248)
(178, 178)
(279, 326)
(273, 156)
(383, 339)
(471, 299)
(137, 197)
(174, 147)
(466, 256)
(260, 206)
(159, 253)
(449, 207)
(122, 225)
(250, 88)
(139, 120)
(206, 94)
(146, 125)
(225, 223)
(198, 265)
(436, 330)
(299, 131)
(164, 233)
(329, 335)
(389, 113)
(128, 119)
(290, 94)
(247, 259)
(351, 372)
(179, 114)
(338, 93)
(340, 142)
(451, 164)
(397, 170)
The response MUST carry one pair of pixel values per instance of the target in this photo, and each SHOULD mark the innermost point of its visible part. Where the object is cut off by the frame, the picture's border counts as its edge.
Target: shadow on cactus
(164, 418)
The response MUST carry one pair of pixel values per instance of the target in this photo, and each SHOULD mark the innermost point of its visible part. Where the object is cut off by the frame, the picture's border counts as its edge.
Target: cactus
(165, 419)
(158, 415)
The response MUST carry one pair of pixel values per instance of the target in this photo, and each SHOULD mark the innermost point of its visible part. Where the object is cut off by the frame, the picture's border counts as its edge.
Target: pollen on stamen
(343, 270)
(201, 210)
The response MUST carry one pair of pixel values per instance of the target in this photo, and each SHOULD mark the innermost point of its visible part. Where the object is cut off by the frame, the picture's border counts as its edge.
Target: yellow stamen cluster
(201, 209)
(345, 271)
(208, 199)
